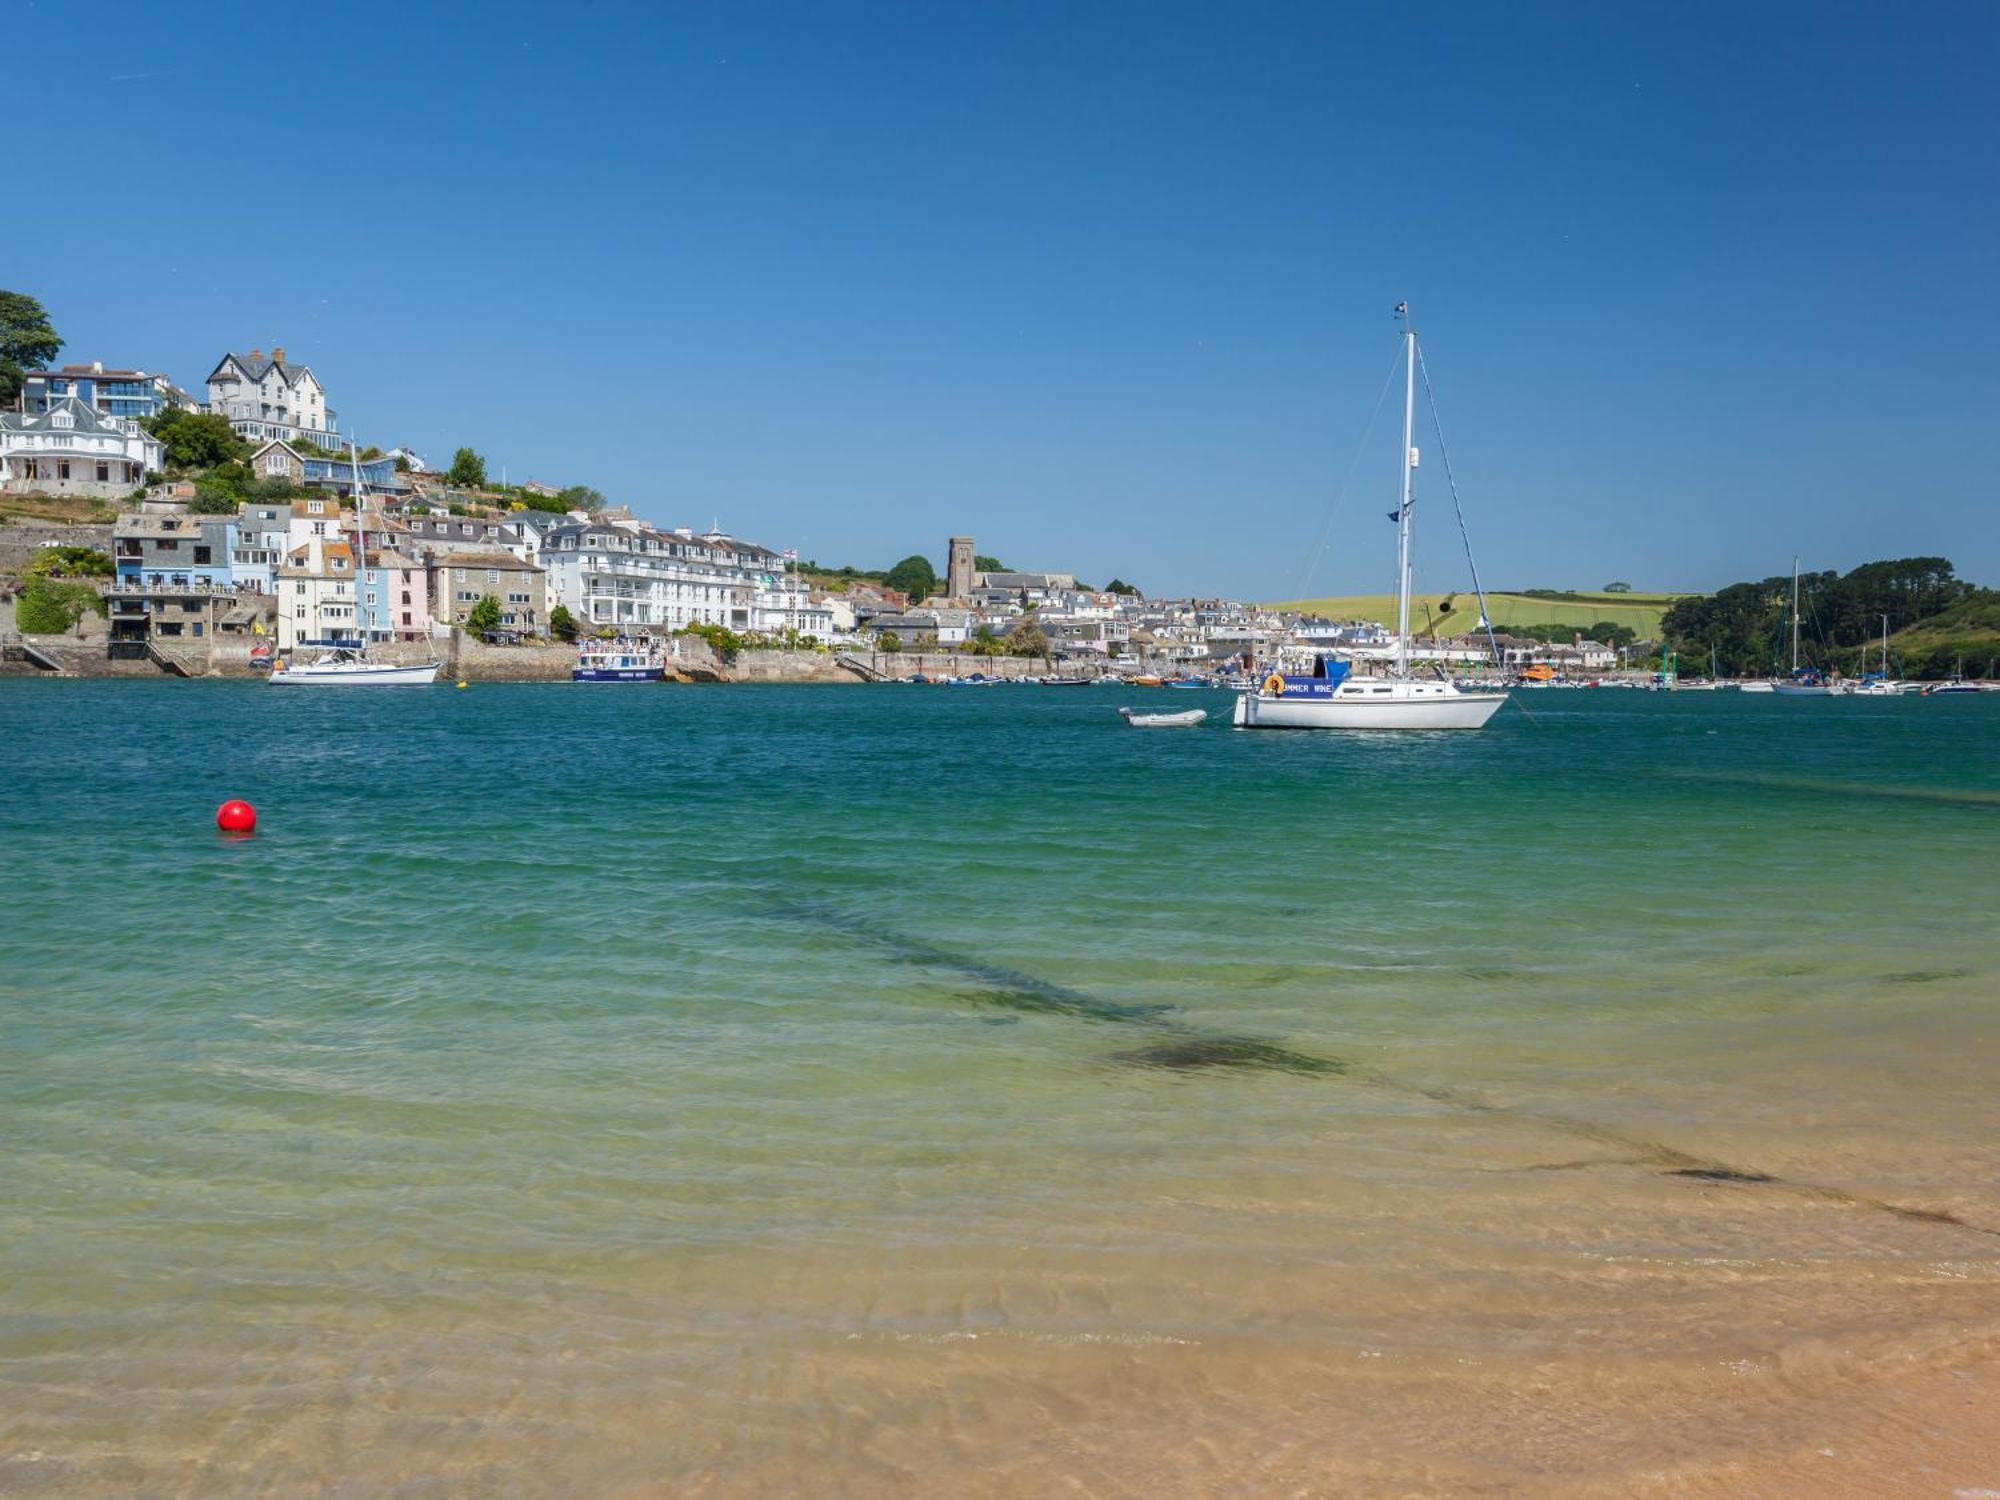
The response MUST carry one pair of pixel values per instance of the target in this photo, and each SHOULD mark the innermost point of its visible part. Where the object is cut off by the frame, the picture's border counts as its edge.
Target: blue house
(114, 393)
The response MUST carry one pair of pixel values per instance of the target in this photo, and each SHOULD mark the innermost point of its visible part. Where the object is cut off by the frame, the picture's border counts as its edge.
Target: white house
(74, 449)
(268, 397)
(316, 594)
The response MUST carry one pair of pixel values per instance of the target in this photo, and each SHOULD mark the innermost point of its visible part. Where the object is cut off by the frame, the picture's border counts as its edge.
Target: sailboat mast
(1403, 511)
(1795, 615)
(360, 541)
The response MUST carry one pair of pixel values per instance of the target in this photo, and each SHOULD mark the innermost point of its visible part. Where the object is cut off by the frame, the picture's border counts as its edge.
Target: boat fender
(1274, 686)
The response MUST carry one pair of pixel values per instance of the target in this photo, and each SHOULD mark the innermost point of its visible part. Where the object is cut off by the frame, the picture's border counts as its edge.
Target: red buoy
(236, 816)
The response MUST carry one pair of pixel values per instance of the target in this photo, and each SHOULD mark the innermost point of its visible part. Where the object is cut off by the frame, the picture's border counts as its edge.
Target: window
(204, 554)
(104, 473)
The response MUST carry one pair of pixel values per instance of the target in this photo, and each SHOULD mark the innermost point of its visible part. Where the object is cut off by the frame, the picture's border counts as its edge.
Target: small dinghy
(1187, 720)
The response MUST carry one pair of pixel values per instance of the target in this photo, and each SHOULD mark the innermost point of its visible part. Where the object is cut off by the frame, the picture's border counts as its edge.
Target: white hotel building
(631, 577)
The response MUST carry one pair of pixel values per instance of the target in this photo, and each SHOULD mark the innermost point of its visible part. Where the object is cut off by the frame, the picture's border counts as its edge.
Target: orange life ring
(1274, 686)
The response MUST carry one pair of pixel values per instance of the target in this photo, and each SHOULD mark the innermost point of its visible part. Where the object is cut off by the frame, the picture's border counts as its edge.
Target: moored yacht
(1399, 701)
(347, 666)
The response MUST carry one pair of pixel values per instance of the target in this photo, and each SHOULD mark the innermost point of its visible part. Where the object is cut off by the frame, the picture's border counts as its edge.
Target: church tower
(958, 572)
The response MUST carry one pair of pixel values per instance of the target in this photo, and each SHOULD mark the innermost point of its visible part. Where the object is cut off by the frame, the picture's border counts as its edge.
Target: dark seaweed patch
(1925, 976)
(1721, 1174)
(1052, 1001)
(1192, 1053)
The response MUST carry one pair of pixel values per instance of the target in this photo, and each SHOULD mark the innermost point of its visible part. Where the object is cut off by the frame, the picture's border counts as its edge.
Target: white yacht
(345, 666)
(1399, 701)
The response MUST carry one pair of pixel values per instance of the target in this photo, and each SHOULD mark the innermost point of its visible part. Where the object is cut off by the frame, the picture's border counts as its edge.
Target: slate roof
(257, 368)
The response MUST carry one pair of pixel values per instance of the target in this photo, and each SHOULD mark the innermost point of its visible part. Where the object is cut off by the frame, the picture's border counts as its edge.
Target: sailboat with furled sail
(1399, 701)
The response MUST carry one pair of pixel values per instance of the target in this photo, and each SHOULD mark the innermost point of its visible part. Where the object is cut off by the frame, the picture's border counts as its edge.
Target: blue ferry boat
(619, 661)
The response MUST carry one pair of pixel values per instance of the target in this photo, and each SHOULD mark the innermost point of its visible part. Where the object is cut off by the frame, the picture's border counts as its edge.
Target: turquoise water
(898, 1090)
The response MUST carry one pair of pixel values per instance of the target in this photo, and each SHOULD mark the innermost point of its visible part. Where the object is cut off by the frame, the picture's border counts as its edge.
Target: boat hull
(1451, 710)
(369, 674)
(617, 674)
(1802, 689)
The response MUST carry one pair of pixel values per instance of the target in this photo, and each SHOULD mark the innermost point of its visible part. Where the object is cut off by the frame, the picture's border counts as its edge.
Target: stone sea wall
(82, 654)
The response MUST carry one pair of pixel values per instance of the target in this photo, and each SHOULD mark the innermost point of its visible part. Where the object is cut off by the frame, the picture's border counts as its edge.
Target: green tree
(580, 497)
(981, 563)
(889, 643)
(913, 576)
(26, 341)
(196, 439)
(1120, 586)
(1617, 588)
(468, 470)
(1027, 639)
(48, 606)
(71, 562)
(562, 624)
(484, 617)
(403, 465)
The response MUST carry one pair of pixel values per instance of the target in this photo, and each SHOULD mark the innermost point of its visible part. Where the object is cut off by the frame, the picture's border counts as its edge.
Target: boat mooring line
(1187, 1048)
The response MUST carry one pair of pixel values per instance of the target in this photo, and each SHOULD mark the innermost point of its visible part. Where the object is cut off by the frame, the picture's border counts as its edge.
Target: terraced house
(629, 576)
(462, 579)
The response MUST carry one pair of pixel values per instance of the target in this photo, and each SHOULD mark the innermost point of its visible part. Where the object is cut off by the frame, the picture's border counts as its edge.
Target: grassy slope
(1970, 629)
(1639, 611)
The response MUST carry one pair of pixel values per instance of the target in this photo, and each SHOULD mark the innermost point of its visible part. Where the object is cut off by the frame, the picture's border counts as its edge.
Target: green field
(1428, 612)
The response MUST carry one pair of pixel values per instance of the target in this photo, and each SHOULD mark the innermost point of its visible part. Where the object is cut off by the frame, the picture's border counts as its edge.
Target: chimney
(97, 367)
(277, 354)
(255, 355)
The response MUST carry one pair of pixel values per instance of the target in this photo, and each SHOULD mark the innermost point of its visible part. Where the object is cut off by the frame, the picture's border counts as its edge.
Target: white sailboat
(348, 665)
(1878, 684)
(1399, 701)
(1804, 681)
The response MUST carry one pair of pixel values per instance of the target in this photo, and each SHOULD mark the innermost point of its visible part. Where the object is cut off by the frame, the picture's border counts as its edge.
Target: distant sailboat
(1805, 682)
(1397, 702)
(1878, 684)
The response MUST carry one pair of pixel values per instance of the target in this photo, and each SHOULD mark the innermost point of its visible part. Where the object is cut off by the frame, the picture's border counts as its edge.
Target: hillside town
(328, 544)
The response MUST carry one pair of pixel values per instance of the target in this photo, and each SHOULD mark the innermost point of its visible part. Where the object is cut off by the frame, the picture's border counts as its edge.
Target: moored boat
(1395, 702)
(345, 666)
(1188, 720)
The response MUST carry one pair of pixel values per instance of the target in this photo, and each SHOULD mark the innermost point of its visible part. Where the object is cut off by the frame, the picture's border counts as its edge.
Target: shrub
(50, 607)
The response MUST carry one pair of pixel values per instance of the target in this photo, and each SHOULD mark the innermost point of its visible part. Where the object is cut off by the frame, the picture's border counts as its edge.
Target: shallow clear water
(917, 1091)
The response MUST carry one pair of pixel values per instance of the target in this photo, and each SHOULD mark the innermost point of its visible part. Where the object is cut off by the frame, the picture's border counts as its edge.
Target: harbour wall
(82, 654)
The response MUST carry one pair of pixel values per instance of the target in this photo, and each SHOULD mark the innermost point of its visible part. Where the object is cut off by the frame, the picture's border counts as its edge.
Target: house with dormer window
(72, 448)
(267, 396)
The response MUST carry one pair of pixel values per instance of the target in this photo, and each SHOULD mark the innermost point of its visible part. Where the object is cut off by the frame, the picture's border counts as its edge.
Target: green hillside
(1456, 614)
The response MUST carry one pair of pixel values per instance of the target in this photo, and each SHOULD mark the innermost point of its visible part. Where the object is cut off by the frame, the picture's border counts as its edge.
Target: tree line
(1747, 626)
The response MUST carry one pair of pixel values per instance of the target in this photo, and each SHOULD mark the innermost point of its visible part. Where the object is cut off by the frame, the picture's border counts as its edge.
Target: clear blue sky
(1107, 286)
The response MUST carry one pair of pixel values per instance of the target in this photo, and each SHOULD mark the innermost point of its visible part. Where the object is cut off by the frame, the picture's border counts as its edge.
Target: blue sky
(1107, 286)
